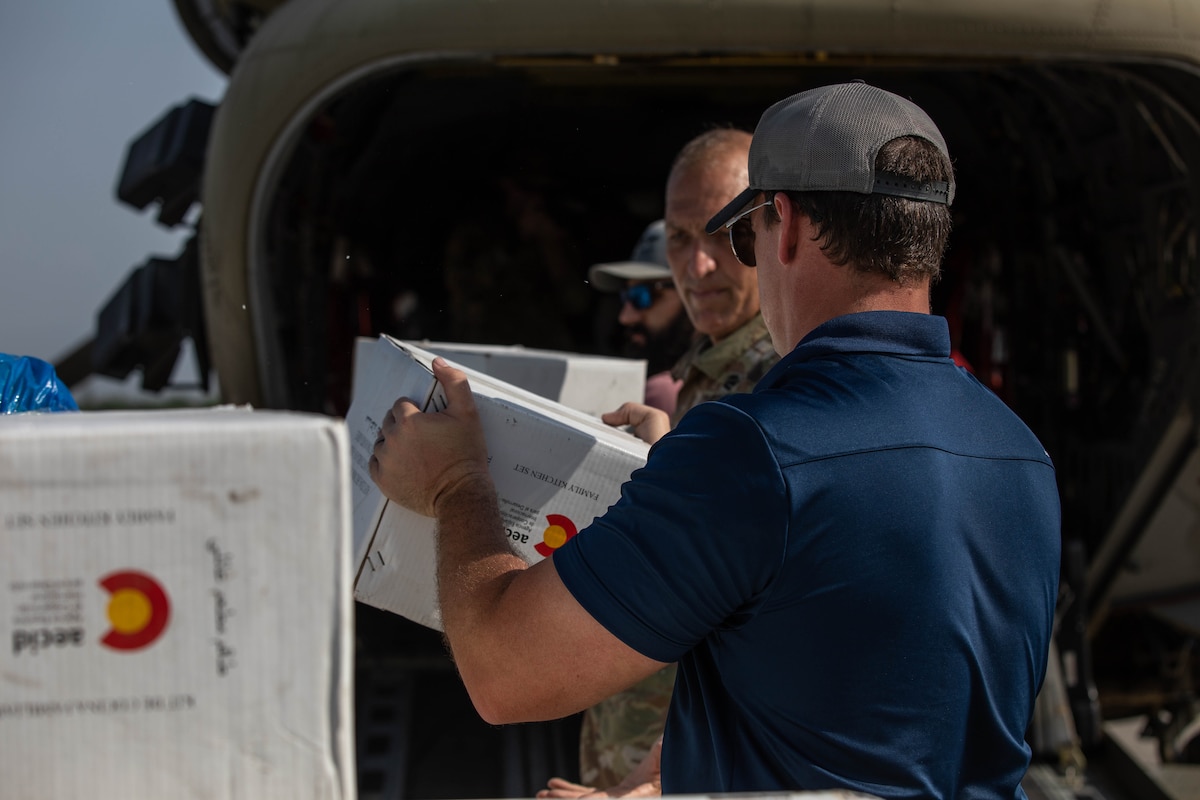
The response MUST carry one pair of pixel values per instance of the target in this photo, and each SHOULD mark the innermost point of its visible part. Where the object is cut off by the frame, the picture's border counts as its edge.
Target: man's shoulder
(752, 357)
(732, 366)
(759, 355)
(747, 351)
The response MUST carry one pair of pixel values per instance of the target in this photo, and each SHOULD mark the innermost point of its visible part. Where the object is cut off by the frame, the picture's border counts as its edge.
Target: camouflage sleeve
(617, 733)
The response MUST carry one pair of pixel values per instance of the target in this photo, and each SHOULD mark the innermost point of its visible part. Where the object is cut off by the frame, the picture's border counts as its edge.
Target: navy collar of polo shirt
(899, 333)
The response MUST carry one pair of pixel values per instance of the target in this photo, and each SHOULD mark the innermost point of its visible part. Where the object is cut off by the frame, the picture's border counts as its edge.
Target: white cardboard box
(555, 469)
(588, 383)
(175, 606)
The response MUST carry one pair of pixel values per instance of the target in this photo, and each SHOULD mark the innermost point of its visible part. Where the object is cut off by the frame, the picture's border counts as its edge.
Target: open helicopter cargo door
(446, 170)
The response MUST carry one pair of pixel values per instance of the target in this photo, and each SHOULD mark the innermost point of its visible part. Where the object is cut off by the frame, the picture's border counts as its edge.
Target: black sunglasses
(741, 234)
(641, 295)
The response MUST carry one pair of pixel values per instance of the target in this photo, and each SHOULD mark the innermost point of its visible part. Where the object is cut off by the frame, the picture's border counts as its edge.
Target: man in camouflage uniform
(721, 298)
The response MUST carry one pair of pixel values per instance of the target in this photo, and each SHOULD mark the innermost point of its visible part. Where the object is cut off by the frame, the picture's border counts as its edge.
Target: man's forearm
(475, 565)
(525, 648)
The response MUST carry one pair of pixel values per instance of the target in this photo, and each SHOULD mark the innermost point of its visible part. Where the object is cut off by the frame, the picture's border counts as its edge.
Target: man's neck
(864, 293)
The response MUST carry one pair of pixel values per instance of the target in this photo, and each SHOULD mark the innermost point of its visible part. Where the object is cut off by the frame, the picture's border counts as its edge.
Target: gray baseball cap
(826, 140)
(648, 262)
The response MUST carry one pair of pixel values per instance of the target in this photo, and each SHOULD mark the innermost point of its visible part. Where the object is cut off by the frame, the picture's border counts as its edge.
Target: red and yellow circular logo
(556, 534)
(138, 609)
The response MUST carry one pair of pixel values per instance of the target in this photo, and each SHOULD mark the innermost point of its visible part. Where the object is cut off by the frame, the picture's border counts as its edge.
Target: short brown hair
(901, 238)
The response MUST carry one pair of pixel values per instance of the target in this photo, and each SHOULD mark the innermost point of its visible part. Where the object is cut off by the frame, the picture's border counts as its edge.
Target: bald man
(732, 353)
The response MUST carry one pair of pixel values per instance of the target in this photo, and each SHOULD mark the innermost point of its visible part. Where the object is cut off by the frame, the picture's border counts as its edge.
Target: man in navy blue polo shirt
(855, 565)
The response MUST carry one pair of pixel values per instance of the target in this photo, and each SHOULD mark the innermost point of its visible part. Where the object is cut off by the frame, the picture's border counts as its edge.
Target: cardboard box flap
(491, 386)
(592, 384)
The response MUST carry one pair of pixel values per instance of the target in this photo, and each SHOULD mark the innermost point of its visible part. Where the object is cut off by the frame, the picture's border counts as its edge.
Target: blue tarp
(30, 384)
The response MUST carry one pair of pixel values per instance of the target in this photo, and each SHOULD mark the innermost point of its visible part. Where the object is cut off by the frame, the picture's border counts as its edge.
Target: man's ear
(790, 225)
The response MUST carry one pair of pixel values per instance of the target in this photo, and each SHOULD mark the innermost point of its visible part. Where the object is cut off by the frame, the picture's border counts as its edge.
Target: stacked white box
(176, 607)
(588, 383)
(555, 469)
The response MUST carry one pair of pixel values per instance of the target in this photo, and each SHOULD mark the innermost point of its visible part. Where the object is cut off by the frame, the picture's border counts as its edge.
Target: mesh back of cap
(826, 139)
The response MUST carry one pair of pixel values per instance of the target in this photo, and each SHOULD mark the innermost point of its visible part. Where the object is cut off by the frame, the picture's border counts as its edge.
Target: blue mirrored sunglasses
(641, 295)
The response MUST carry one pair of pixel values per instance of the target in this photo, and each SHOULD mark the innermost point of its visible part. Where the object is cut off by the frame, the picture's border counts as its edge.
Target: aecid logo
(556, 534)
(138, 610)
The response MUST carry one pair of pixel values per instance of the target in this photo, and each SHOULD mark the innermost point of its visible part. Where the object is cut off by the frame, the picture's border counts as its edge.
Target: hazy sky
(78, 81)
